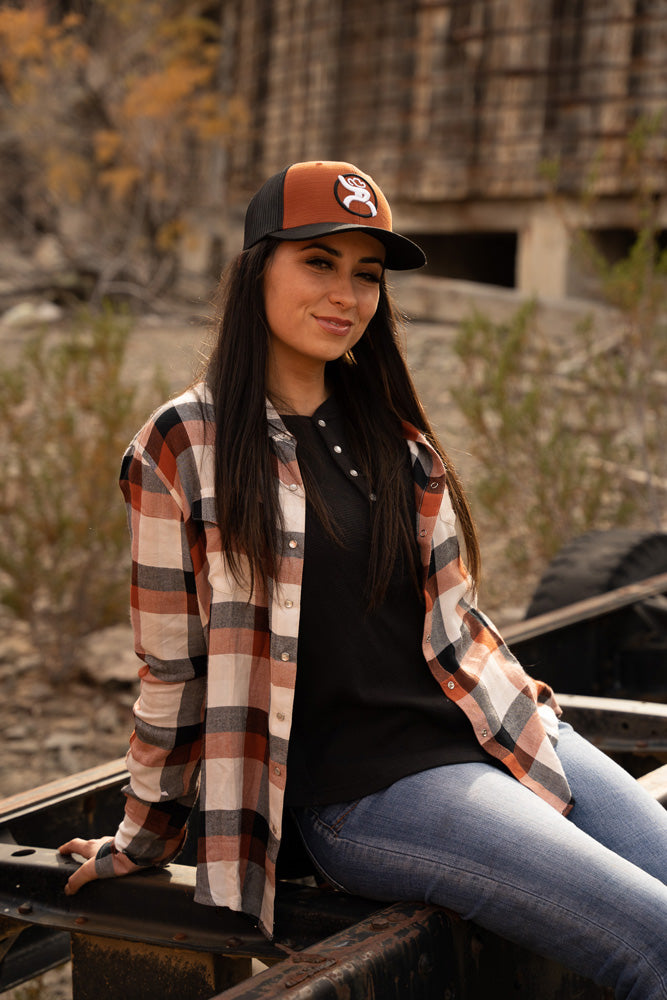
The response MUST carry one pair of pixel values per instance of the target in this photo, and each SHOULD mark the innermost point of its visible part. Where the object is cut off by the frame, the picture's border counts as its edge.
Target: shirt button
(280, 716)
(321, 422)
(284, 656)
(289, 604)
(293, 487)
(372, 496)
(337, 449)
(353, 472)
(451, 685)
(292, 543)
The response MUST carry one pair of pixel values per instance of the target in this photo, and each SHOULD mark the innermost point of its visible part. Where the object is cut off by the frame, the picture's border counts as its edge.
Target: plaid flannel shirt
(218, 672)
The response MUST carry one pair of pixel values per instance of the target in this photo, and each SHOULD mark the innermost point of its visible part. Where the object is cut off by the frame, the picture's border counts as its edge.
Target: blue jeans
(589, 890)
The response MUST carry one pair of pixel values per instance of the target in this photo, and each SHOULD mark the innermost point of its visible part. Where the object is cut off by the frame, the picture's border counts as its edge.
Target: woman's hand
(87, 871)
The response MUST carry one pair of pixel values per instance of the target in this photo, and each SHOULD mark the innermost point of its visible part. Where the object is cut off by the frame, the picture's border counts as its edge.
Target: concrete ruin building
(468, 112)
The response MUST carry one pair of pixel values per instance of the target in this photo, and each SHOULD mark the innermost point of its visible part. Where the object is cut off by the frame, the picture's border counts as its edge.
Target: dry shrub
(67, 412)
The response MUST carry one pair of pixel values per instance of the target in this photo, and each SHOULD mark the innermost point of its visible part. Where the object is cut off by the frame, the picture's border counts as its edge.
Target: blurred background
(521, 142)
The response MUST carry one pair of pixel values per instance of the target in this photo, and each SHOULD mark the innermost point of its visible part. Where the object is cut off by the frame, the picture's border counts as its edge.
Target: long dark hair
(375, 393)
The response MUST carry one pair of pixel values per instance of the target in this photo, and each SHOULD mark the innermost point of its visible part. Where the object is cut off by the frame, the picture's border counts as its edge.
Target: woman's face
(319, 295)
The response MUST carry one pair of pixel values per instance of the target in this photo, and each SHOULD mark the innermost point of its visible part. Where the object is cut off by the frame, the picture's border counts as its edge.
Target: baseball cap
(327, 196)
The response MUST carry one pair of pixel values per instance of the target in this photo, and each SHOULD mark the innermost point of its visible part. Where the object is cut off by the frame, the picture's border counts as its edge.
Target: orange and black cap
(324, 196)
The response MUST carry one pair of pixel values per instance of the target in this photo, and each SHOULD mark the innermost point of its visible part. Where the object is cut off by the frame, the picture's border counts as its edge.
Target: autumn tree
(116, 119)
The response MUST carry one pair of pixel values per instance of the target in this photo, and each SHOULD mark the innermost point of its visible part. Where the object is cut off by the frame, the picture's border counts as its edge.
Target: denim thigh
(587, 890)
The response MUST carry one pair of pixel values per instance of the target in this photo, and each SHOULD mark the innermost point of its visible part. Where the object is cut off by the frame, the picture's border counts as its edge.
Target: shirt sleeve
(168, 555)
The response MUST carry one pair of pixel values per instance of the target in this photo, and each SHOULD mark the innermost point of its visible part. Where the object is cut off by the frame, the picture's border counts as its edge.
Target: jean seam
(336, 827)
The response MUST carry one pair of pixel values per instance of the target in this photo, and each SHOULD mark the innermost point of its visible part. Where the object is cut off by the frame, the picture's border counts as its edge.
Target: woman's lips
(331, 324)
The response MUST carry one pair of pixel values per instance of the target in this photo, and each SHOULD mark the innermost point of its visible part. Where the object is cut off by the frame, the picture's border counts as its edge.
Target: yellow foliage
(107, 144)
(169, 234)
(120, 180)
(67, 175)
(158, 94)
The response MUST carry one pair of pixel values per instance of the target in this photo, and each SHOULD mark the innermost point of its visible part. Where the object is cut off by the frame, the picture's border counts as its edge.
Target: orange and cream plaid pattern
(218, 670)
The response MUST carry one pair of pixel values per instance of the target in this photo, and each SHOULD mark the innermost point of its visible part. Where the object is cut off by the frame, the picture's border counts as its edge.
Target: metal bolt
(379, 924)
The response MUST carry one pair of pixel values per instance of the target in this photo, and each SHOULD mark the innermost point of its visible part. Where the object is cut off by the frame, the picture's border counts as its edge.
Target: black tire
(597, 562)
(622, 654)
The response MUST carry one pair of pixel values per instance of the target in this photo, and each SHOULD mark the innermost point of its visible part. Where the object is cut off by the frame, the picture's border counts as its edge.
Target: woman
(297, 507)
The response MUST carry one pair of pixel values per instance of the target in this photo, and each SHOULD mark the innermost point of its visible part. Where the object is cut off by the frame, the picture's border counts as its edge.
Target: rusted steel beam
(618, 724)
(655, 783)
(413, 951)
(581, 611)
(157, 907)
(115, 970)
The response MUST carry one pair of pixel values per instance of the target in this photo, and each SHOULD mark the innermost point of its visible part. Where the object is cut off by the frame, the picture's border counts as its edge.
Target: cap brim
(402, 254)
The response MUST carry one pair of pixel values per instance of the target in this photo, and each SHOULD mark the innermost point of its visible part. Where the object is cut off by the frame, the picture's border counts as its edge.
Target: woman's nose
(342, 291)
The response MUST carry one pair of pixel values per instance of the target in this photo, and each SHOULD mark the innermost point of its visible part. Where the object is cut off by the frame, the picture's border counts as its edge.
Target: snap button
(284, 656)
(289, 604)
(337, 449)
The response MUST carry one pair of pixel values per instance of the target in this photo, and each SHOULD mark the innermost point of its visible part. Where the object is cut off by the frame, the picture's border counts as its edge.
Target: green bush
(67, 412)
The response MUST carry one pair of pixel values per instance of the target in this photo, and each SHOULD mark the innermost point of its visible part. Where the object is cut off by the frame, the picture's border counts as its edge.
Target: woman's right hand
(87, 871)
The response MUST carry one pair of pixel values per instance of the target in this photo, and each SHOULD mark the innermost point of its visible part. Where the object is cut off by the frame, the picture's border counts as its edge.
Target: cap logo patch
(352, 190)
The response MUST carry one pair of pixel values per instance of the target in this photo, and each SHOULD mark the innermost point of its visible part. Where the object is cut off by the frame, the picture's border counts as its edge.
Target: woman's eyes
(324, 264)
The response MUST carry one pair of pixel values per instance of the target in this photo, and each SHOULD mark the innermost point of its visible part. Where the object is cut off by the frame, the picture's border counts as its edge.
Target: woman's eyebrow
(337, 253)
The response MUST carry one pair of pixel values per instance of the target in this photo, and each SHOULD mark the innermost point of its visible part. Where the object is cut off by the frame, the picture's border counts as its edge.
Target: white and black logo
(356, 195)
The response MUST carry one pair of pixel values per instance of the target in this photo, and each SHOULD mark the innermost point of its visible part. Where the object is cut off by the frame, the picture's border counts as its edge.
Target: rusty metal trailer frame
(145, 937)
